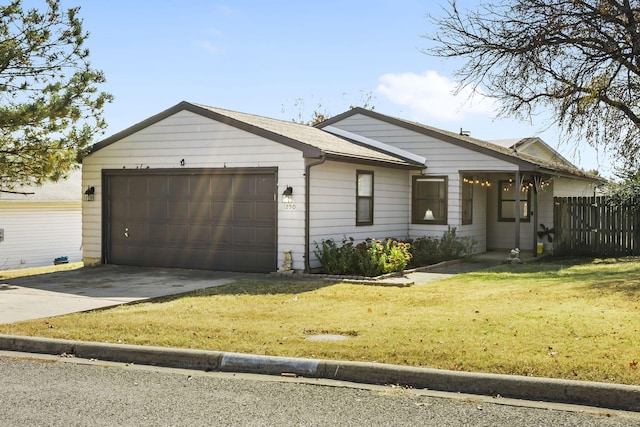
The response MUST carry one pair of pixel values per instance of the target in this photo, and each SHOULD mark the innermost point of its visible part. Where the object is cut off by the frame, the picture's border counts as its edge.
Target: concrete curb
(612, 396)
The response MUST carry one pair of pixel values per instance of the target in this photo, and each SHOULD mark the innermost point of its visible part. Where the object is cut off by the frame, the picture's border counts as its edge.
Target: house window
(429, 200)
(507, 202)
(467, 202)
(364, 198)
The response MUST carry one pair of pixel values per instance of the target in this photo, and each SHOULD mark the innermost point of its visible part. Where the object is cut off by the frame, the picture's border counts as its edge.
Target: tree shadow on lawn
(549, 265)
(606, 279)
(256, 287)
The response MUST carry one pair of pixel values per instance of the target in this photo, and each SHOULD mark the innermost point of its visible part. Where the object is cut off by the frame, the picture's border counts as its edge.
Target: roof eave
(425, 131)
(374, 162)
(307, 150)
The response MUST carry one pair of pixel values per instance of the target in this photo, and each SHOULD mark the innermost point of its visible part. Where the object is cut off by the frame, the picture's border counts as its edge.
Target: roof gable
(533, 146)
(312, 142)
(524, 161)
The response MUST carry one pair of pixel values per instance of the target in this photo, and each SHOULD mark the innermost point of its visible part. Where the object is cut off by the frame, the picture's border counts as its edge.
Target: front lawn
(563, 319)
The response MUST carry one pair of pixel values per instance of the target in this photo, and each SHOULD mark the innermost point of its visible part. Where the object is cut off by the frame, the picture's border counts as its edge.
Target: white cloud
(431, 96)
(209, 46)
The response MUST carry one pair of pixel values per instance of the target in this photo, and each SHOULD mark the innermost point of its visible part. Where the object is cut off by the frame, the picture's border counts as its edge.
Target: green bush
(373, 257)
(431, 250)
(336, 259)
(398, 255)
(368, 258)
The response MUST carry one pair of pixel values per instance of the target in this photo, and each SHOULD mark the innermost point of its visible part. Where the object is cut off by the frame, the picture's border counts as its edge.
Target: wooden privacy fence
(591, 226)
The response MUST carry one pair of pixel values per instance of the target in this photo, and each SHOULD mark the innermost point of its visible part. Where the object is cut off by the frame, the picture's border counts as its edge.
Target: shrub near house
(374, 257)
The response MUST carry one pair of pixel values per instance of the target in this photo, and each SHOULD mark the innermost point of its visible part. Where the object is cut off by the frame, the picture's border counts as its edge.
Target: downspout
(307, 211)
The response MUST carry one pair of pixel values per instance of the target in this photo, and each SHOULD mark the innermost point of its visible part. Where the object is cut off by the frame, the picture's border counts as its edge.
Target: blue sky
(260, 57)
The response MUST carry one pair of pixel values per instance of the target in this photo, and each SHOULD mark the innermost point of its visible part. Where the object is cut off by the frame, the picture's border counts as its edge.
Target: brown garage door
(213, 220)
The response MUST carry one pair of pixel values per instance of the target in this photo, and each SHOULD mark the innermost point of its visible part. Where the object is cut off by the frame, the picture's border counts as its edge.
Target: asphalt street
(54, 391)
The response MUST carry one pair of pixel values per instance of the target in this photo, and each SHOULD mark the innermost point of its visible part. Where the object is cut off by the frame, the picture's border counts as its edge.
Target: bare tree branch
(579, 58)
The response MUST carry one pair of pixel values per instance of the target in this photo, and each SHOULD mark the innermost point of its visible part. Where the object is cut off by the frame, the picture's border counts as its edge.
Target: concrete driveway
(89, 288)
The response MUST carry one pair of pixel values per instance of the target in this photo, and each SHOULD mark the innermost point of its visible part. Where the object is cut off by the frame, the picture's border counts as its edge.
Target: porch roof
(525, 162)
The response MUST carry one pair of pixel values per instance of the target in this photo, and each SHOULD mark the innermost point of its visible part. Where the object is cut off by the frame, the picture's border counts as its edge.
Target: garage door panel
(262, 190)
(266, 213)
(222, 220)
(138, 209)
(119, 209)
(158, 233)
(158, 208)
(199, 211)
(221, 235)
(199, 234)
(221, 211)
(244, 188)
(138, 186)
(157, 186)
(178, 210)
(243, 235)
(221, 187)
(264, 236)
(177, 187)
(199, 187)
(244, 211)
(177, 233)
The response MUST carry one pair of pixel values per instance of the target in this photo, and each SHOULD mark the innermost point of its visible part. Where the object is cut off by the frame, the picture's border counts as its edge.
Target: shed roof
(524, 161)
(313, 142)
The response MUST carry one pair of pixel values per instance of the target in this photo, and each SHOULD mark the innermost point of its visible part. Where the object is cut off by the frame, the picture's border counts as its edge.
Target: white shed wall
(37, 233)
(202, 143)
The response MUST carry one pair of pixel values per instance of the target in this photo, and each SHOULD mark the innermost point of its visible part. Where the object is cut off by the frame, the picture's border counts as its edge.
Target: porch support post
(537, 188)
(537, 181)
(517, 212)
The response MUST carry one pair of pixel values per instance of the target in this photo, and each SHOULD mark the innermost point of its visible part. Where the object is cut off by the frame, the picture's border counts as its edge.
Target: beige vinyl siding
(202, 143)
(35, 233)
(540, 152)
(565, 187)
(443, 159)
(333, 206)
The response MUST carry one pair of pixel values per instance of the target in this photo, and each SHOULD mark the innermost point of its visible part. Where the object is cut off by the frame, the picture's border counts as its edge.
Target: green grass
(563, 319)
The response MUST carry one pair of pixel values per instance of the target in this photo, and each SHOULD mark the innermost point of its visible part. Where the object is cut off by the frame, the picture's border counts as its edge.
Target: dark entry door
(213, 220)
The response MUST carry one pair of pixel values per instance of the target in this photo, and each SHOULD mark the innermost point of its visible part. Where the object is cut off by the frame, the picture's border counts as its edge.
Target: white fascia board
(376, 144)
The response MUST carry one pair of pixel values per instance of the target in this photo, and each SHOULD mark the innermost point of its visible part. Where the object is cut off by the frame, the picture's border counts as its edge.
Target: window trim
(418, 217)
(463, 220)
(359, 197)
(527, 217)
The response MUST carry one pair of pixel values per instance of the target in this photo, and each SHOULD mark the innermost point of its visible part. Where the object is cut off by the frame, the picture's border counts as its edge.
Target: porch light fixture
(287, 195)
(89, 195)
(428, 215)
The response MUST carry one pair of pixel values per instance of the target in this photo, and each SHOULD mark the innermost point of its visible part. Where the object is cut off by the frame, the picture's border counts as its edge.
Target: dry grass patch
(35, 271)
(552, 319)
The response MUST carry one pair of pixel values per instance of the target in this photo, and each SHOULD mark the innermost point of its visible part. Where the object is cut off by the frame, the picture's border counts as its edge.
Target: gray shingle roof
(311, 141)
(526, 162)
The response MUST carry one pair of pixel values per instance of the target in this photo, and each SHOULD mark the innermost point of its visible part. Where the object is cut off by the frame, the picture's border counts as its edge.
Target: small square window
(507, 202)
(429, 200)
(364, 198)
